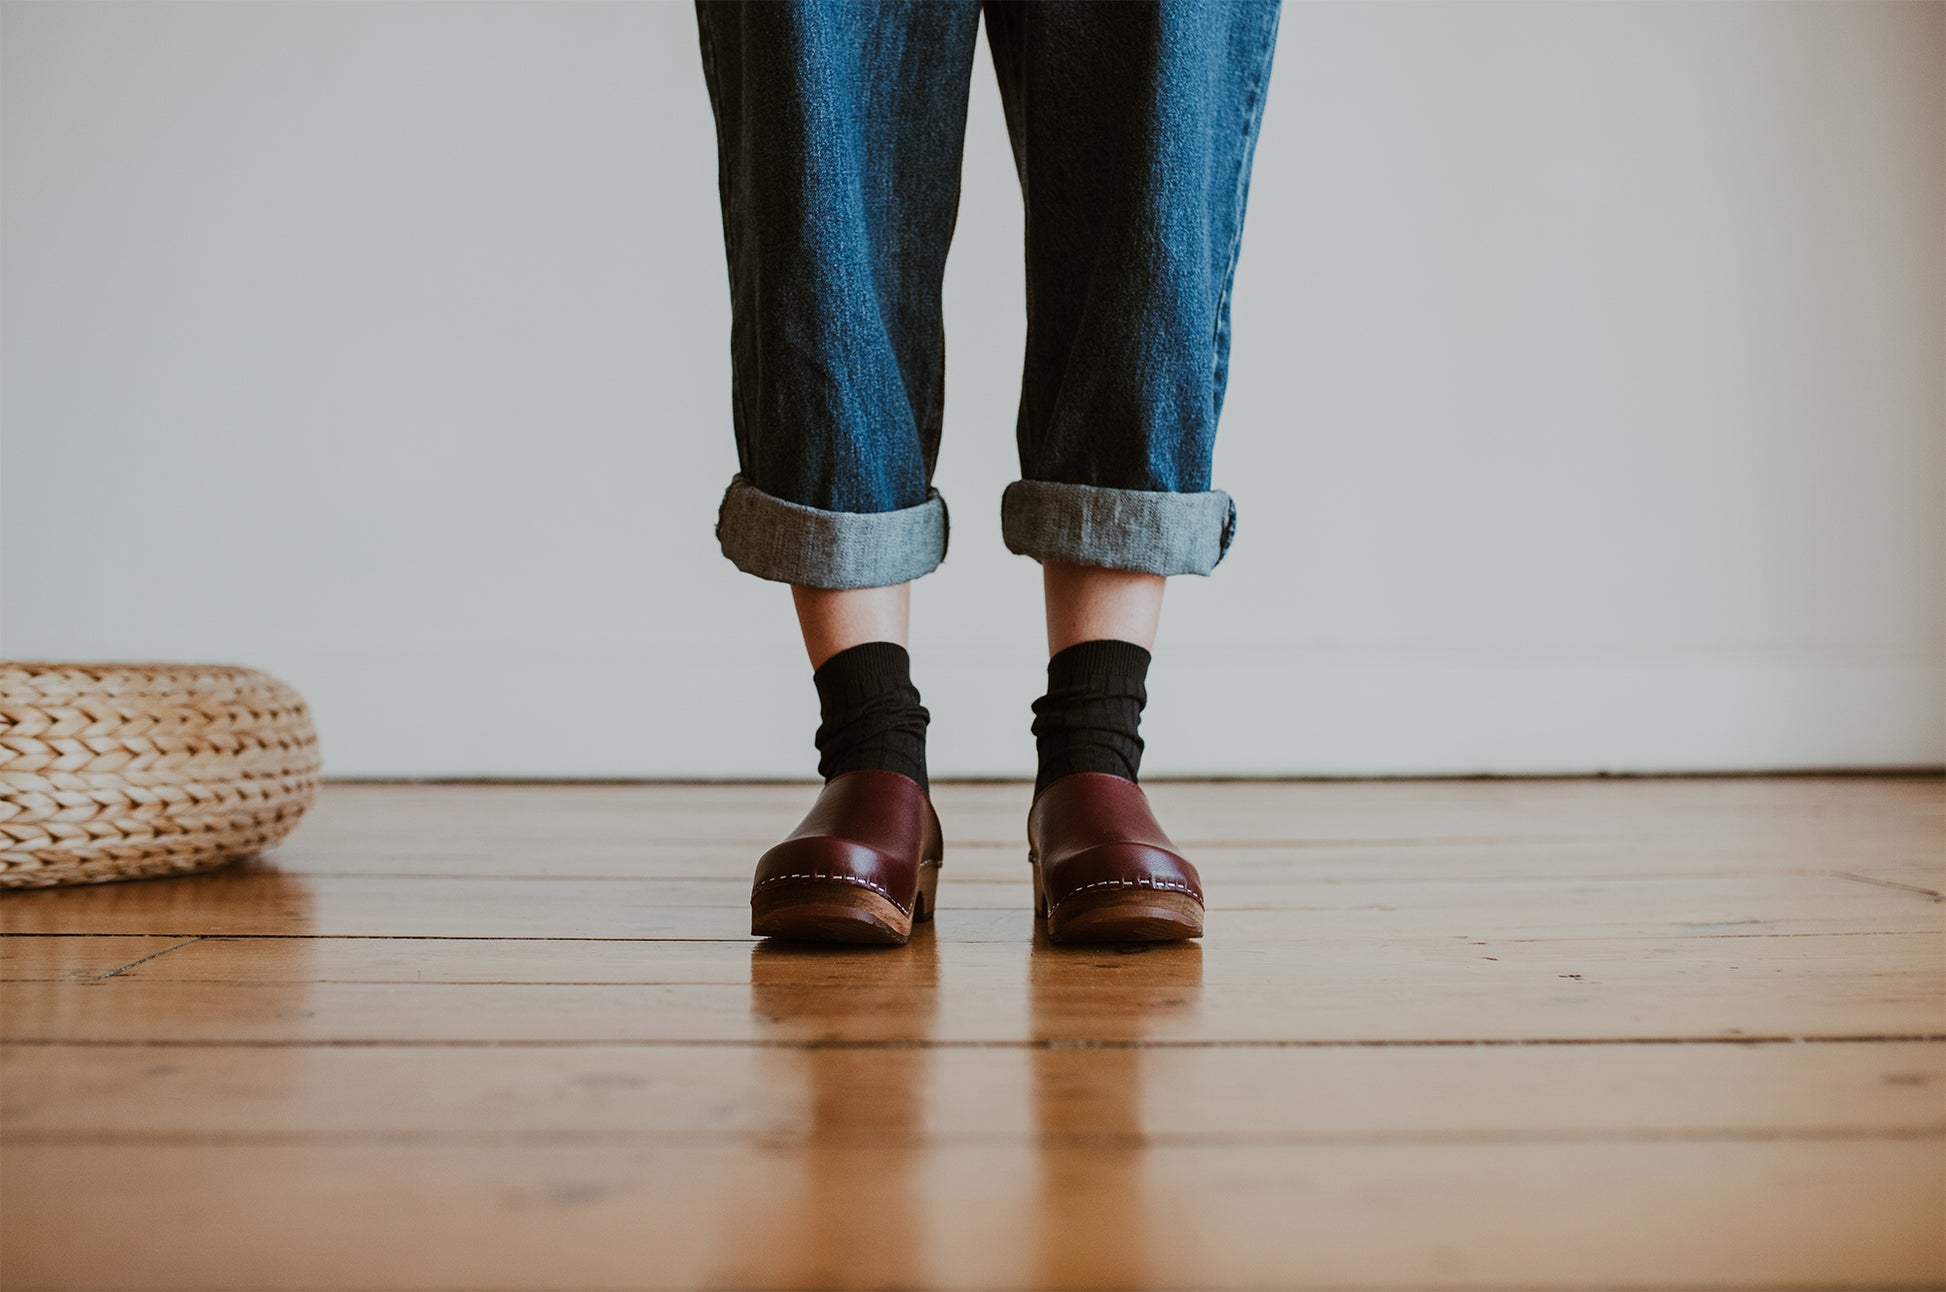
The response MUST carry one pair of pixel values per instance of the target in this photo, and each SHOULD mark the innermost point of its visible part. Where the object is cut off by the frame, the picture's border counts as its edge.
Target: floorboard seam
(1933, 893)
(747, 941)
(152, 955)
(1101, 1140)
(916, 1044)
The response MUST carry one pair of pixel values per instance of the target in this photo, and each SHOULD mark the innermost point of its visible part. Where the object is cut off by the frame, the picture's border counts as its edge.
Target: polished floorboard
(1683, 1033)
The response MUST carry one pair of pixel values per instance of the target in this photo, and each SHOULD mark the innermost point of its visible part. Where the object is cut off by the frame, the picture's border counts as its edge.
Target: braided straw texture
(116, 771)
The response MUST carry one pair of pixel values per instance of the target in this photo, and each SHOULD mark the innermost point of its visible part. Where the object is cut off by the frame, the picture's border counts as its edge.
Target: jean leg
(1133, 128)
(840, 128)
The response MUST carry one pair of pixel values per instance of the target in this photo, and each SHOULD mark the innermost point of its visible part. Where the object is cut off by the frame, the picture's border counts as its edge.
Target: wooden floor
(1492, 1034)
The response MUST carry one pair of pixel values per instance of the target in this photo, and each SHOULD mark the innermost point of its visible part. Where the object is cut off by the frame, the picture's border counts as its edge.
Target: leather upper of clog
(1094, 832)
(871, 828)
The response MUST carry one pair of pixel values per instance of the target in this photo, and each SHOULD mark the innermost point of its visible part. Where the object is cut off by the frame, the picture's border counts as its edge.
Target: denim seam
(1252, 117)
(732, 224)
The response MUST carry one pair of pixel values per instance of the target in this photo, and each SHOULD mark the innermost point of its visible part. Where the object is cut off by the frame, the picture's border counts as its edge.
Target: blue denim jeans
(840, 127)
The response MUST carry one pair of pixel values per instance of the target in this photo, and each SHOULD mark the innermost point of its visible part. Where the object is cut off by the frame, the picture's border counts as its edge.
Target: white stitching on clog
(1128, 883)
(840, 879)
(1151, 884)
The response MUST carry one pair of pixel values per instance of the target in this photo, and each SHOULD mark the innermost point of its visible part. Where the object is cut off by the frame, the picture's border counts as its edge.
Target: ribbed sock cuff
(872, 717)
(1089, 719)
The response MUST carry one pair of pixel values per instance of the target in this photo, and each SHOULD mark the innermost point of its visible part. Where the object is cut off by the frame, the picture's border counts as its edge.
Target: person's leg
(1133, 128)
(840, 129)
(833, 620)
(1100, 629)
(1088, 603)
(871, 715)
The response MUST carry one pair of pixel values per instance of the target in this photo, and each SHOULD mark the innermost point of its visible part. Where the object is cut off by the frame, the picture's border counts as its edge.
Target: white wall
(1586, 411)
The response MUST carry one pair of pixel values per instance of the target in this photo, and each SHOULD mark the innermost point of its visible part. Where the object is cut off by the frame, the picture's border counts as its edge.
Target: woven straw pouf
(117, 771)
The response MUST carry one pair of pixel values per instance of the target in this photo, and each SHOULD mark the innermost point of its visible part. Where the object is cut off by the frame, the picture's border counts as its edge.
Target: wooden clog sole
(1119, 914)
(814, 910)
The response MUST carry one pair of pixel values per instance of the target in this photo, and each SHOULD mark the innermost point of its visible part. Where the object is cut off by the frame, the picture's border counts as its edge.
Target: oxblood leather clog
(1104, 871)
(862, 866)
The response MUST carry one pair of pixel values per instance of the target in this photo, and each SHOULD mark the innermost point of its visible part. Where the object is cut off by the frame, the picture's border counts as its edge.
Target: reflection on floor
(1565, 1033)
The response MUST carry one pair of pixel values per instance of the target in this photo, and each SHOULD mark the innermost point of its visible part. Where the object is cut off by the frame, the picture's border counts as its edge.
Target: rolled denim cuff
(791, 543)
(1150, 532)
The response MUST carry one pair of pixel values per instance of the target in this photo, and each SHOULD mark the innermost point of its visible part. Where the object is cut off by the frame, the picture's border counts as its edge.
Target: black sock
(872, 715)
(1087, 720)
